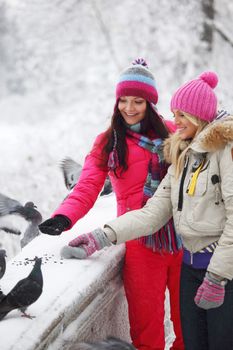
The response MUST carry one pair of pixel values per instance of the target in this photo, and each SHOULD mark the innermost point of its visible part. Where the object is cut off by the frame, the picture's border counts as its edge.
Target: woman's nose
(176, 120)
(129, 107)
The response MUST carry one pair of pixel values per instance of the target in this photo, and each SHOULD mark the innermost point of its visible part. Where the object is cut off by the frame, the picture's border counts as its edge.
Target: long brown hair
(151, 125)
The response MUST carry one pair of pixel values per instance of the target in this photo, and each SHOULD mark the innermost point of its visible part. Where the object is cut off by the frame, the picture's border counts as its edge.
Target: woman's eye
(139, 102)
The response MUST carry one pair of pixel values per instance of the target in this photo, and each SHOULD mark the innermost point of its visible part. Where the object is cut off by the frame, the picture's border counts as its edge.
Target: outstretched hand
(55, 226)
(86, 244)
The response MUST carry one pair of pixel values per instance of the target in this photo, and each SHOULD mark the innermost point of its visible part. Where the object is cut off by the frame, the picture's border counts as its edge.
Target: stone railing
(81, 299)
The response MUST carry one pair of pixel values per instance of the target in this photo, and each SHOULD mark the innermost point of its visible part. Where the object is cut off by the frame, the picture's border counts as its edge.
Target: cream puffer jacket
(202, 218)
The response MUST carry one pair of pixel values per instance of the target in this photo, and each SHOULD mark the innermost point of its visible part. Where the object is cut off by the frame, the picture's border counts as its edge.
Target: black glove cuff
(64, 221)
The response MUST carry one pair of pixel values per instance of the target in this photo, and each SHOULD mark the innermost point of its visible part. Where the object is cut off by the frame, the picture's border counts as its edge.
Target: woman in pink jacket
(130, 152)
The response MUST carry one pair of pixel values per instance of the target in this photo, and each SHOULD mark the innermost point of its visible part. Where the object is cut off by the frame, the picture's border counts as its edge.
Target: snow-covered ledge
(81, 299)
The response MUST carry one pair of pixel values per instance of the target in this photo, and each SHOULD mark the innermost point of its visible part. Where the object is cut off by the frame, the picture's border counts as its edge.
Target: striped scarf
(165, 239)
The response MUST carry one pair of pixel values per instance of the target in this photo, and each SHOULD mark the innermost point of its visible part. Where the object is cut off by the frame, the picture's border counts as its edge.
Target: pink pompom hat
(197, 97)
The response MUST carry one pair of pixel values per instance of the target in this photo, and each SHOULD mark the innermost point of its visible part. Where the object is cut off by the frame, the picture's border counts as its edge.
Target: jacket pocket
(206, 217)
(121, 207)
(205, 211)
(129, 203)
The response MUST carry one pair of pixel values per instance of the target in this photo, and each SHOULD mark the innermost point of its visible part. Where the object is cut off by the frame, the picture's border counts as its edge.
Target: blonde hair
(179, 147)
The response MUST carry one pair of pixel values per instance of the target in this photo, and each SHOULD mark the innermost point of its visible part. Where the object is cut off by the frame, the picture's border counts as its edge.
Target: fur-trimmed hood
(213, 137)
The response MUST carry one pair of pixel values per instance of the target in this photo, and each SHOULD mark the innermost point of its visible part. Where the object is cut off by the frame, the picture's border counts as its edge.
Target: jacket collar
(213, 137)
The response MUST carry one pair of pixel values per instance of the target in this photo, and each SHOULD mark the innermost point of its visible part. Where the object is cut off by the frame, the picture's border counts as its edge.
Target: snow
(79, 279)
(59, 64)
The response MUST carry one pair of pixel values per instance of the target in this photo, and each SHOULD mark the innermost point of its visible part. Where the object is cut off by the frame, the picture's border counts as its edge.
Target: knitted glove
(85, 245)
(211, 292)
(55, 226)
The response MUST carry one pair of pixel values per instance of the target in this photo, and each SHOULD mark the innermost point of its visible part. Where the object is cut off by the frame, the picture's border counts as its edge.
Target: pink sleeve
(87, 189)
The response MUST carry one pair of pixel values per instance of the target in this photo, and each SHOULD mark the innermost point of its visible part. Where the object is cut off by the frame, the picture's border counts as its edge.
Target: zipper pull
(193, 181)
(217, 196)
(191, 258)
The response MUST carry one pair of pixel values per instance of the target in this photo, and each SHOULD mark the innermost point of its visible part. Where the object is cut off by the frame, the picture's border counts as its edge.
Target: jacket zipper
(180, 200)
(191, 258)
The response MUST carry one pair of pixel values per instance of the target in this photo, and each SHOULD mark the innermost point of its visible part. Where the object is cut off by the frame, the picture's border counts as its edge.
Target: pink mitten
(211, 293)
(85, 245)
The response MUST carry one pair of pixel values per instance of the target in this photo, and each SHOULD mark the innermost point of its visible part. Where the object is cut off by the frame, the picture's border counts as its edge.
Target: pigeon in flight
(2, 295)
(24, 293)
(71, 172)
(12, 230)
(9, 206)
(107, 189)
(111, 343)
(2, 262)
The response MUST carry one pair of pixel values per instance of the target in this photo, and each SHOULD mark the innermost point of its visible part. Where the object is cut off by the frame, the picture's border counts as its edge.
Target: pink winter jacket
(128, 187)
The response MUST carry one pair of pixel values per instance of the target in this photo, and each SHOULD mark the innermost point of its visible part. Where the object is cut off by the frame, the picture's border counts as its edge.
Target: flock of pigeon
(29, 289)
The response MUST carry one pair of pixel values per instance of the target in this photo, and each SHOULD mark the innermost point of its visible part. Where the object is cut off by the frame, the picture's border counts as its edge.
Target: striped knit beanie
(197, 97)
(137, 80)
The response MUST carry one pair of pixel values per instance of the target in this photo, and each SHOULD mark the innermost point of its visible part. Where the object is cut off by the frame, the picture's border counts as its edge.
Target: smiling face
(132, 109)
(185, 127)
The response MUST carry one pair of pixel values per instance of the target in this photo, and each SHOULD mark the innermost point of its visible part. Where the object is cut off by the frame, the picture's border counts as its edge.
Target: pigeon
(2, 262)
(111, 343)
(2, 295)
(71, 172)
(107, 189)
(9, 206)
(24, 293)
(12, 230)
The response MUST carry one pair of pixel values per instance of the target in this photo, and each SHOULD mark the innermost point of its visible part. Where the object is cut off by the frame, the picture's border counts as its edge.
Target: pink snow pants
(146, 275)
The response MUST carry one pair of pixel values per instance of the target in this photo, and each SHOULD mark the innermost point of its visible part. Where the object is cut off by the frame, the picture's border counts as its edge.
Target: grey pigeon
(111, 343)
(2, 295)
(9, 206)
(71, 172)
(2, 262)
(12, 230)
(24, 293)
(107, 189)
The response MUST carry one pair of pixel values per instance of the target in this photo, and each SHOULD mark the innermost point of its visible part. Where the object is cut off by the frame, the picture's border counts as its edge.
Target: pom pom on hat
(137, 80)
(210, 78)
(140, 61)
(197, 97)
